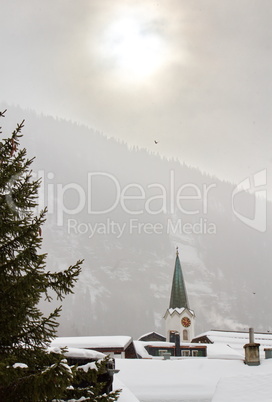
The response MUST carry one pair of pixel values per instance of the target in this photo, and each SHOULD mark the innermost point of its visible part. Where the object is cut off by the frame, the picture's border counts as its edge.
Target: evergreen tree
(28, 371)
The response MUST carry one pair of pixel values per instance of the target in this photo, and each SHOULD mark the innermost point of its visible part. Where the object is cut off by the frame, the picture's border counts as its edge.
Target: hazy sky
(194, 75)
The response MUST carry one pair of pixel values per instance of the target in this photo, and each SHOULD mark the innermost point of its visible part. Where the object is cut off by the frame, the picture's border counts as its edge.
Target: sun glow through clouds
(133, 48)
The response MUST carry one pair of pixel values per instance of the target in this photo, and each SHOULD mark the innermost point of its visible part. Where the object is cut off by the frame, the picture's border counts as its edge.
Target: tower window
(185, 335)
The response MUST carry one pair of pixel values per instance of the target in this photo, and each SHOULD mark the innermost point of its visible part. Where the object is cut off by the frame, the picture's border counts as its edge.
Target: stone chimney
(252, 354)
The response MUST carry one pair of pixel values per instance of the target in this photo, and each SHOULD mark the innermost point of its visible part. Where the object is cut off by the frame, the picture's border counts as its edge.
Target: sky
(193, 75)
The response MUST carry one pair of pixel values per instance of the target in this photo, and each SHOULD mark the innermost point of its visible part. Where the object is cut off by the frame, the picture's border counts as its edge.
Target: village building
(149, 349)
(236, 340)
(184, 353)
(179, 318)
(179, 322)
(114, 346)
(180, 340)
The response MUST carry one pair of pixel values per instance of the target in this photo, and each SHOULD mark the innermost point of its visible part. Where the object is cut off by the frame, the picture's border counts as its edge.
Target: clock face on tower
(186, 322)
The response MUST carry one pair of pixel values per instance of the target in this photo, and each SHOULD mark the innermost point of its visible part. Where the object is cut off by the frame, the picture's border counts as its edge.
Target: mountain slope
(129, 247)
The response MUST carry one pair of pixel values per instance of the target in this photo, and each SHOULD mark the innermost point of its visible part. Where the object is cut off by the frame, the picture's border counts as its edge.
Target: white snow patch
(126, 395)
(192, 379)
(84, 353)
(92, 342)
(141, 350)
(222, 351)
(19, 365)
(252, 388)
(86, 367)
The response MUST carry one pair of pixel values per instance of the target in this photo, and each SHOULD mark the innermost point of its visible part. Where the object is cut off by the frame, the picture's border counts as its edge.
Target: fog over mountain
(129, 247)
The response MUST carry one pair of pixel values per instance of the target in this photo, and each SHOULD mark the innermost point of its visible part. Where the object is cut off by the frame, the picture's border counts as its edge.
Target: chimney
(268, 353)
(177, 344)
(252, 355)
(251, 335)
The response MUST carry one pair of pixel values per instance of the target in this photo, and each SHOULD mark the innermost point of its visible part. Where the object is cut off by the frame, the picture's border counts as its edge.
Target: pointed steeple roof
(178, 293)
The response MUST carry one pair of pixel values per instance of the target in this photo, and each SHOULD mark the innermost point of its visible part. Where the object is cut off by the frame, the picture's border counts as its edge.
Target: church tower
(178, 317)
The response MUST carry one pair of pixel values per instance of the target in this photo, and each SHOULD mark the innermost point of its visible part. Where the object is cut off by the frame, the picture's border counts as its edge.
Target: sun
(134, 48)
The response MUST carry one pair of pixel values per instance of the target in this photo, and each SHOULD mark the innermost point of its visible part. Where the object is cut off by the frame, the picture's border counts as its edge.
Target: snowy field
(193, 380)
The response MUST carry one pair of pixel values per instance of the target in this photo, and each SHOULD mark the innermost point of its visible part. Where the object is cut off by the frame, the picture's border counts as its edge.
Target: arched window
(185, 335)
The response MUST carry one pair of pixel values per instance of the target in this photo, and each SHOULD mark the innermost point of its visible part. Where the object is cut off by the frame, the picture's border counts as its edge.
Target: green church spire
(178, 293)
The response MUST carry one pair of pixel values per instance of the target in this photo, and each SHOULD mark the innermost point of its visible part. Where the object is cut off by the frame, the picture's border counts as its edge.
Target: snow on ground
(194, 379)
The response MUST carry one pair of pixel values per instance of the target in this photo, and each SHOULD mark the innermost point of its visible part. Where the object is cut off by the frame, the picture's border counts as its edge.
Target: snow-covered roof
(78, 353)
(242, 388)
(93, 342)
(141, 350)
(151, 333)
(195, 379)
(237, 339)
(126, 394)
(160, 344)
(222, 351)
